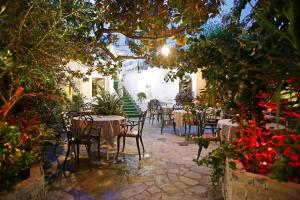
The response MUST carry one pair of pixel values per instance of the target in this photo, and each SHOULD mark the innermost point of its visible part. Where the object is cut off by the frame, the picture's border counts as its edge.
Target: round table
(167, 109)
(110, 126)
(228, 128)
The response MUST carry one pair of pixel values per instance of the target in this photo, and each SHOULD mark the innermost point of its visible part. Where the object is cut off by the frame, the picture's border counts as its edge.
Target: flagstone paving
(165, 172)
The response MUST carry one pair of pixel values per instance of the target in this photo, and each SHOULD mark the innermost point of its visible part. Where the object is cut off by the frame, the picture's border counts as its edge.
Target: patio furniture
(87, 109)
(80, 134)
(177, 106)
(87, 106)
(154, 108)
(167, 117)
(127, 130)
(203, 123)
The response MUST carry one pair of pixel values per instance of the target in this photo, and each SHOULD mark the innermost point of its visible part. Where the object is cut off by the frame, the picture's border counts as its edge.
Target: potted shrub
(108, 104)
(141, 96)
(185, 97)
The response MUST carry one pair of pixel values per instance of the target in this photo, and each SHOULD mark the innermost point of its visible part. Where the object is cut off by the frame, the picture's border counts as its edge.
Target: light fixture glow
(165, 50)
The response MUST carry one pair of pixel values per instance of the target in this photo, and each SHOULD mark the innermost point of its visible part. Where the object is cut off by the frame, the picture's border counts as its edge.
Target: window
(97, 83)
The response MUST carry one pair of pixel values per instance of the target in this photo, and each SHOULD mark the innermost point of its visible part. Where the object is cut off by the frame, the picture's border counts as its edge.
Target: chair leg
(174, 127)
(123, 143)
(199, 152)
(118, 145)
(138, 147)
(162, 127)
(99, 156)
(67, 154)
(189, 133)
(142, 144)
(89, 155)
(77, 154)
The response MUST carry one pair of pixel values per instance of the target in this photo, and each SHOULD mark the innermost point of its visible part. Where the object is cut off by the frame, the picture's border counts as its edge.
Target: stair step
(129, 108)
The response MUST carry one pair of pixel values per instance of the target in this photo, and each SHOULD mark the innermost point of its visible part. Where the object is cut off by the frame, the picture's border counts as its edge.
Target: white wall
(151, 82)
(85, 88)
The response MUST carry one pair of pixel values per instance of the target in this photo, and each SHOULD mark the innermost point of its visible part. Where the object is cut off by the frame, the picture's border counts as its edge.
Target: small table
(110, 126)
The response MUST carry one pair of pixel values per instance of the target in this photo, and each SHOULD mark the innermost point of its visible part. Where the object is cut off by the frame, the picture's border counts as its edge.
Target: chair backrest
(177, 106)
(82, 127)
(200, 121)
(141, 122)
(153, 103)
(87, 106)
(66, 119)
(167, 114)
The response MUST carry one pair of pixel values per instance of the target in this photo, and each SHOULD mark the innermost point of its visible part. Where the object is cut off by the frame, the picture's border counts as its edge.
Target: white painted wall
(85, 88)
(151, 82)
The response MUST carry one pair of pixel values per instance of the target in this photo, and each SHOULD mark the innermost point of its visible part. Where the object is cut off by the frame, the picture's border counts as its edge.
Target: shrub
(108, 104)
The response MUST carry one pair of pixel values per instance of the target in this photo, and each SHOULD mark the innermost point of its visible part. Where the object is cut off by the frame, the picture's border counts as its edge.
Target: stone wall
(240, 184)
(32, 188)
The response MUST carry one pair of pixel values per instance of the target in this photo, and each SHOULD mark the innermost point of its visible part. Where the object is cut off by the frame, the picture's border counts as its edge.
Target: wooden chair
(127, 130)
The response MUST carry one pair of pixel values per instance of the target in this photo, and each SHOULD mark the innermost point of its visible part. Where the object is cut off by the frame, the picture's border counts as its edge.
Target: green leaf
(232, 165)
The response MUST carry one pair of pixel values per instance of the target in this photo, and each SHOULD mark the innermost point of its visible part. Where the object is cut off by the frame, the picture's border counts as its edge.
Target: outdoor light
(165, 50)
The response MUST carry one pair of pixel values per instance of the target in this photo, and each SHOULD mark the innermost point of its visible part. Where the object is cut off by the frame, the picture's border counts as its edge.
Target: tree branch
(142, 37)
(121, 57)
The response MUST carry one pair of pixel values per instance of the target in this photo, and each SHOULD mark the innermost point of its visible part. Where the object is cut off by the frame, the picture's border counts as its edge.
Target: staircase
(128, 107)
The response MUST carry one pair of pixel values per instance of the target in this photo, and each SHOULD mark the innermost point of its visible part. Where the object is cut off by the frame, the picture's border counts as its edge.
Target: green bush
(141, 96)
(108, 104)
(77, 102)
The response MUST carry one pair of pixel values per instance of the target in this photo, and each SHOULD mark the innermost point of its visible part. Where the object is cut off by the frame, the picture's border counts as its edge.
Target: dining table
(229, 128)
(110, 126)
(167, 109)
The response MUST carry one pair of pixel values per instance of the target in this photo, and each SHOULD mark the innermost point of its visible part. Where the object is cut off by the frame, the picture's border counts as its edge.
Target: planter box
(32, 188)
(240, 184)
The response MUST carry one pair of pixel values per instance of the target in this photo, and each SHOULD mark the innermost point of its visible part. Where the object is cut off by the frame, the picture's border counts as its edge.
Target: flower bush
(184, 97)
(14, 155)
(255, 64)
(21, 139)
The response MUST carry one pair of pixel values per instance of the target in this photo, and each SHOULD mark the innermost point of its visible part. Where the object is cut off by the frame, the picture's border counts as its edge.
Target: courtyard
(166, 171)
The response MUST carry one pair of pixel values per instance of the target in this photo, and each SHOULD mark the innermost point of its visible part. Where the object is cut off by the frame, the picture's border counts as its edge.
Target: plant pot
(240, 184)
(32, 187)
(23, 174)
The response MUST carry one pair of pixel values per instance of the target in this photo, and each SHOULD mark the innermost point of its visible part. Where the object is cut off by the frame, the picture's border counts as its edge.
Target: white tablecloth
(226, 126)
(110, 126)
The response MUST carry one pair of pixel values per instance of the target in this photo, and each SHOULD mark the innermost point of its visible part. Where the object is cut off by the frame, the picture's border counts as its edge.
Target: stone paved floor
(165, 172)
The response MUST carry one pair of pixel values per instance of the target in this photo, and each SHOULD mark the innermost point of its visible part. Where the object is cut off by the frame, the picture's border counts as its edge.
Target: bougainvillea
(185, 96)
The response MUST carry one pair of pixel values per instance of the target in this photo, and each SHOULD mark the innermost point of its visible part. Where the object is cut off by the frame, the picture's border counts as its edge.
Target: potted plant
(185, 97)
(141, 96)
(77, 102)
(108, 104)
